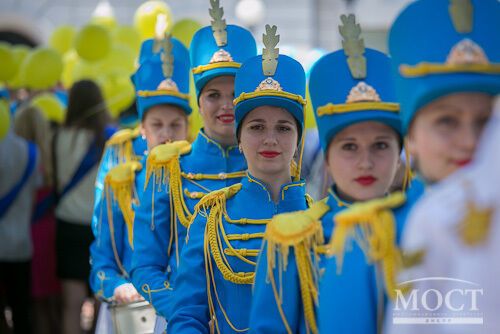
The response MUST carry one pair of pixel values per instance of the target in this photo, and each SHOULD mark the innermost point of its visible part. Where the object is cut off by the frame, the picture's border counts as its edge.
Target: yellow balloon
(120, 58)
(93, 42)
(184, 30)
(128, 36)
(85, 70)
(4, 118)
(42, 68)
(107, 22)
(62, 38)
(118, 92)
(50, 106)
(70, 59)
(8, 66)
(145, 17)
(20, 52)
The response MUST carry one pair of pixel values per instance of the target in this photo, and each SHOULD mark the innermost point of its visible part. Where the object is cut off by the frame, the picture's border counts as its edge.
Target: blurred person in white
(77, 149)
(18, 182)
(459, 244)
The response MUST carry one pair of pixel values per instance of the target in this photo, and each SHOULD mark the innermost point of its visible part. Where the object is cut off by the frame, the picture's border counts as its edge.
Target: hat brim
(293, 107)
(202, 79)
(429, 88)
(388, 118)
(144, 103)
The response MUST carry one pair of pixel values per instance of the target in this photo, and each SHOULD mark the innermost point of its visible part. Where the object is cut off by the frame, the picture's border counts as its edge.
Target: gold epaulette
(215, 197)
(121, 144)
(119, 185)
(163, 163)
(303, 232)
(372, 225)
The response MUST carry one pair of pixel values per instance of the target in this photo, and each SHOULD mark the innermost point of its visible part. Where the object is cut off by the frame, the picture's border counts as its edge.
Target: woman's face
(444, 134)
(163, 123)
(268, 139)
(363, 159)
(216, 109)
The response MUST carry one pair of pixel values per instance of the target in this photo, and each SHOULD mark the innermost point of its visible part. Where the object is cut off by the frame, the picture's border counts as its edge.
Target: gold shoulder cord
(372, 225)
(119, 186)
(302, 232)
(214, 237)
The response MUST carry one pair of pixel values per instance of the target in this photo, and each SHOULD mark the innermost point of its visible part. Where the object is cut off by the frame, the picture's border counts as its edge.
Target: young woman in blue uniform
(214, 284)
(360, 133)
(445, 79)
(178, 175)
(448, 74)
(162, 84)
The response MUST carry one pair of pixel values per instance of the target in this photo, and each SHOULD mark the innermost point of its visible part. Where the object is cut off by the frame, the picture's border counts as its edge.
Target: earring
(240, 149)
(143, 137)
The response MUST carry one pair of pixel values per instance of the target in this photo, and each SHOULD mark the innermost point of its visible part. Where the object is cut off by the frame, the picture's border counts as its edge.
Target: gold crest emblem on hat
(466, 52)
(220, 56)
(168, 84)
(269, 84)
(363, 92)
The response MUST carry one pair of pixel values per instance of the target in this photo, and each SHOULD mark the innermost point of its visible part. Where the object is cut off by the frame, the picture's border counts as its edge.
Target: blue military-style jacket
(353, 292)
(291, 305)
(176, 179)
(215, 278)
(111, 251)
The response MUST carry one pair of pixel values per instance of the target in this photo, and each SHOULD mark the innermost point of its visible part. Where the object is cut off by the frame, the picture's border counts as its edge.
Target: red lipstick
(463, 162)
(269, 154)
(226, 118)
(366, 180)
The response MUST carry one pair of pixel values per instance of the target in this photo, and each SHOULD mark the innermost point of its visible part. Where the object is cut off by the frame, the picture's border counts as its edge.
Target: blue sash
(10, 197)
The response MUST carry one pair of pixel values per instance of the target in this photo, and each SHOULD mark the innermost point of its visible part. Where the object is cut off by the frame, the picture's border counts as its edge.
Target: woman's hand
(126, 293)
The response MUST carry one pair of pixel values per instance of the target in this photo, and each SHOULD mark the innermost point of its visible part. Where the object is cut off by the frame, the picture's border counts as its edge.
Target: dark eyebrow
(346, 139)
(284, 121)
(259, 120)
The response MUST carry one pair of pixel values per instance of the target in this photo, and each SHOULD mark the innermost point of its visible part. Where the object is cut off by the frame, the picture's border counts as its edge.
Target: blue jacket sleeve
(190, 308)
(104, 166)
(265, 316)
(105, 275)
(150, 259)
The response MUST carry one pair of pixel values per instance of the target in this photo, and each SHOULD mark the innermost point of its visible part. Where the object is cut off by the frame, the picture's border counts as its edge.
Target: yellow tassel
(164, 165)
(372, 225)
(121, 145)
(120, 184)
(212, 245)
(303, 232)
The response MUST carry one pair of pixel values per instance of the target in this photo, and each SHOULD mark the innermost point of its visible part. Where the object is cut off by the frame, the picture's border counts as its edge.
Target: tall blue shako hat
(219, 49)
(163, 76)
(352, 85)
(440, 47)
(271, 79)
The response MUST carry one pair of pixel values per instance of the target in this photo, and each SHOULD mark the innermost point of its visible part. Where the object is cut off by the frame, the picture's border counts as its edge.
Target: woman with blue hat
(448, 74)
(445, 77)
(162, 84)
(177, 174)
(214, 284)
(360, 133)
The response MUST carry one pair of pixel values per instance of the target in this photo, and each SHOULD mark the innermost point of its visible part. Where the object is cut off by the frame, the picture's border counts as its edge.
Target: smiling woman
(215, 279)
(268, 139)
(216, 109)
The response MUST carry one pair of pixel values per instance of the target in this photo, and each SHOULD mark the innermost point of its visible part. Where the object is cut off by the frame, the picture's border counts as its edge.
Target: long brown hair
(87, 110)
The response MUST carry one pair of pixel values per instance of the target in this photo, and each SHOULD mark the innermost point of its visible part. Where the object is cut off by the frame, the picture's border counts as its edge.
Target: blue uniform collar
(288, 191)
(205, 144)
(334, 200)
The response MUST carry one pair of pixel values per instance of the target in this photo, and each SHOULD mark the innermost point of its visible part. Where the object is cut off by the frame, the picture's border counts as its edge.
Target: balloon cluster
(102, 50)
